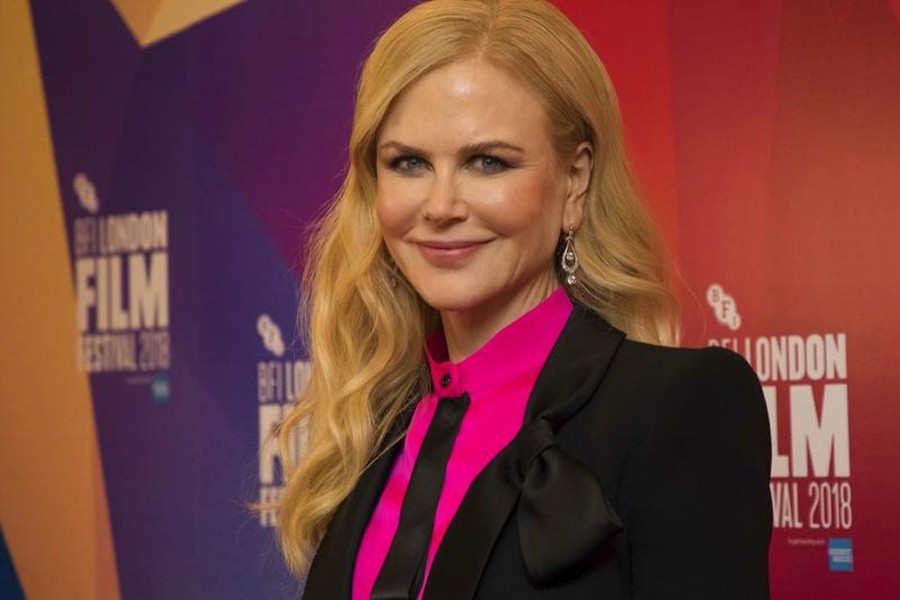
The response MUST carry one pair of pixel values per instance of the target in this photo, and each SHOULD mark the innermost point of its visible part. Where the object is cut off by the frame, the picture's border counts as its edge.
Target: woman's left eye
(489, 164)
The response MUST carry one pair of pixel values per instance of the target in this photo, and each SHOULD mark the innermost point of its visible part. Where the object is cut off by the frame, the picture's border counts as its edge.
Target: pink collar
(512, 352)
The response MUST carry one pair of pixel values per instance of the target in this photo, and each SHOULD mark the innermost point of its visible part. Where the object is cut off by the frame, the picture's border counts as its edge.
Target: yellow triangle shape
(153, 20)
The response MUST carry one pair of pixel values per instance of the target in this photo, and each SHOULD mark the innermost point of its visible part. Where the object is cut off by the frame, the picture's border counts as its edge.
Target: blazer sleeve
(696, 490)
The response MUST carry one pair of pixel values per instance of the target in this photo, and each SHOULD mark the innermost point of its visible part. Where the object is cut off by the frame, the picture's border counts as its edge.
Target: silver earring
(569, 261)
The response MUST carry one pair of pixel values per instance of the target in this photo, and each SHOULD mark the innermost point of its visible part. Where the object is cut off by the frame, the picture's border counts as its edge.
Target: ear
(579, 178)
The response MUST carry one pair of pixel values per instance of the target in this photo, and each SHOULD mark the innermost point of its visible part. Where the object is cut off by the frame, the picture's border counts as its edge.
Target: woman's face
(471, 195)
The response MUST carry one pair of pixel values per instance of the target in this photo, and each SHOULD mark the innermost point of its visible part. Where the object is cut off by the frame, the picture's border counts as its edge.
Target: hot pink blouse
(498, 377)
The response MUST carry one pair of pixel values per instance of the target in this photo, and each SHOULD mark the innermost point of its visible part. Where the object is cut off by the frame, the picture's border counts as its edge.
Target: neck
(465, 331)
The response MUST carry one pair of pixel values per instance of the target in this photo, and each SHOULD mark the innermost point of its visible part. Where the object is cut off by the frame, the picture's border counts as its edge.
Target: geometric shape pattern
(153, 20)
(10, 587)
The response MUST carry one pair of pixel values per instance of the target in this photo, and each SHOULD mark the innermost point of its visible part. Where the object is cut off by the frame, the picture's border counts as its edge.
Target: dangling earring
(569, 261)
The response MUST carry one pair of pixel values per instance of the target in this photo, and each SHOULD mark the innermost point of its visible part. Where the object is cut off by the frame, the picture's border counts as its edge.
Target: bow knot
(563, 514)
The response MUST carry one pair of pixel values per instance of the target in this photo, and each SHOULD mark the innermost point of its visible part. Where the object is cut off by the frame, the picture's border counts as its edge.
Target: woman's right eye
(407, 164)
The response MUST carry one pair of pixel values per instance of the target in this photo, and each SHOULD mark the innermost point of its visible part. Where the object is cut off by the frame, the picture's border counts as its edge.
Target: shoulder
(662, 398)
(673, 365)
(693, 487)
(663, 378)
(700, 407)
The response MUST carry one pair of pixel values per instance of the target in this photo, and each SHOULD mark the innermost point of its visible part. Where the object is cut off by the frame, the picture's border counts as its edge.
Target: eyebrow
(479, 148)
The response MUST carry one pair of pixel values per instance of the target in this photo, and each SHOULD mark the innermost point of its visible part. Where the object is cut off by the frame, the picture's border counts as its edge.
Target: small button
(445, 380)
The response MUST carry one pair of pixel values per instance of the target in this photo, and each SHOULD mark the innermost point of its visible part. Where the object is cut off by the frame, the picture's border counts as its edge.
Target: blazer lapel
(573, 371)
(331, 572)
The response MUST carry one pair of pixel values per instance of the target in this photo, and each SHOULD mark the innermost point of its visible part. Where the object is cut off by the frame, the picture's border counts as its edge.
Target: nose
(443, 202)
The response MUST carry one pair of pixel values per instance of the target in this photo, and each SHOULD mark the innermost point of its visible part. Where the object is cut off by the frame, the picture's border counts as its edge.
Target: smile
(449, 253)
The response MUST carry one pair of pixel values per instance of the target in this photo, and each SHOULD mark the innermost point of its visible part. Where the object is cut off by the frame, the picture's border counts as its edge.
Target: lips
(451, 244)
(448, 253)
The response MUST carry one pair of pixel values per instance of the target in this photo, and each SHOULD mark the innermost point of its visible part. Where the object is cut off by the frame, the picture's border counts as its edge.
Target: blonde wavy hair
(365, 330)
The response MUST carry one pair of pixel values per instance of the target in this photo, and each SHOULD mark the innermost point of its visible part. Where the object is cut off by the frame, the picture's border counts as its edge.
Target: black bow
(563, 515)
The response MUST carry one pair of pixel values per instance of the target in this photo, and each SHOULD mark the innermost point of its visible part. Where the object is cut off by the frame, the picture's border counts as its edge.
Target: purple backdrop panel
(189, 171)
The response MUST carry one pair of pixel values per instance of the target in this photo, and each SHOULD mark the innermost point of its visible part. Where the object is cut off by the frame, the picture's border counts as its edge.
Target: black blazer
(640, 472)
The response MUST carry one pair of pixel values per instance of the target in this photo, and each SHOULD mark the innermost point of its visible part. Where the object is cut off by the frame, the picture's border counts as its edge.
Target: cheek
(537, 219)
(528, 208)
(390, 211)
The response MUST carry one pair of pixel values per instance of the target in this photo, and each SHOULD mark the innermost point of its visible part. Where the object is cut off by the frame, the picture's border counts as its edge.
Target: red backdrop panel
(767, 138)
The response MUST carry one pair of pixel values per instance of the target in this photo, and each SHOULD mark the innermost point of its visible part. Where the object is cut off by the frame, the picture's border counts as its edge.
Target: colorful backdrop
(160, 161)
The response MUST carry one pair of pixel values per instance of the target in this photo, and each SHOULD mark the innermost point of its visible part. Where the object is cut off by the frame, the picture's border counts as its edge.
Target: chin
(448, 299)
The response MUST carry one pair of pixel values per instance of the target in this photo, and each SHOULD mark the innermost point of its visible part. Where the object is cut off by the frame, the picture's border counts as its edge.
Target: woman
(493, 411)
